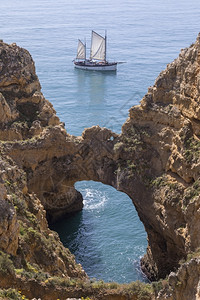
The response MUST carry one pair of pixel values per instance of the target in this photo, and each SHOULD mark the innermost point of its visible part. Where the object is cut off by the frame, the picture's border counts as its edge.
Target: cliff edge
(155, 161)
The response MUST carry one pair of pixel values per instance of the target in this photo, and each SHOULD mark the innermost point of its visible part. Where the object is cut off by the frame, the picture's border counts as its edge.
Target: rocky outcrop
(24, 110)
(182, 285)
(24, 232)
(155, 161)
(9, 230)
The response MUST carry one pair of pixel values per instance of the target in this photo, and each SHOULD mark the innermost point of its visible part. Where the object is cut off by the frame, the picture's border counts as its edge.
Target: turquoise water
(107, 237)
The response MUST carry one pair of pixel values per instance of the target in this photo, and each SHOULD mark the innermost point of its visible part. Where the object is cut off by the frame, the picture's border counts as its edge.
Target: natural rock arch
(155, 160)
(100, 155)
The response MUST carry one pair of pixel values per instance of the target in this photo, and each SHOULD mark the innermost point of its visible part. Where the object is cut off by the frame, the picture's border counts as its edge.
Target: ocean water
(107, 237)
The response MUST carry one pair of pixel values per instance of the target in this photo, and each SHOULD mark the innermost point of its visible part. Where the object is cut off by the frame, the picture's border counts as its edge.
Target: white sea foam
(93, 199)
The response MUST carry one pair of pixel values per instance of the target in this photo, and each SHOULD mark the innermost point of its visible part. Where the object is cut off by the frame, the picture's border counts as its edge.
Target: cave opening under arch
(107, 236)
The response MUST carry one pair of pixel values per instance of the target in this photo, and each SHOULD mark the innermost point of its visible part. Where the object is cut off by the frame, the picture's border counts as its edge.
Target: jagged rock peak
(179, 84)
(23, 109)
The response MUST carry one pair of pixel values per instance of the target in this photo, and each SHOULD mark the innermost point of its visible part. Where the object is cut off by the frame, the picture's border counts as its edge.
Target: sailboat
(97, 60)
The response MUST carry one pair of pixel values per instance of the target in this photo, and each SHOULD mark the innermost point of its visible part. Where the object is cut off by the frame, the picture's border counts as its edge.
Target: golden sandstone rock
(155, 161)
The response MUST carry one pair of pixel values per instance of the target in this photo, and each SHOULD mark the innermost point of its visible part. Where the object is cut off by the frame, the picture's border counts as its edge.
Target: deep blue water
(107, 237)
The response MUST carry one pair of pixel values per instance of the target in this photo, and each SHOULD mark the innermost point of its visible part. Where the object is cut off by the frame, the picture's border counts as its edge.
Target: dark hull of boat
(96, 66)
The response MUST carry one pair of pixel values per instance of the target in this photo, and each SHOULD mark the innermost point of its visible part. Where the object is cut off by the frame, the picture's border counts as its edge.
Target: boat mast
(85, 49)
(105, 44)
(91, 46)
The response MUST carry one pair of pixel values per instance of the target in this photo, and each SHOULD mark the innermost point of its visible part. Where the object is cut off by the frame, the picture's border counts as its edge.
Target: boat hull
(96, 67)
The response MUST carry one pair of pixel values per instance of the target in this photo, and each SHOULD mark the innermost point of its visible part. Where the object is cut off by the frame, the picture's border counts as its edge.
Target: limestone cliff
(24, 234)
(155, 161)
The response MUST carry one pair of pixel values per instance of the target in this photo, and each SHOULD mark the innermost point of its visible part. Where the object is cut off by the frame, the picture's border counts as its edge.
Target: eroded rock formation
(155, 161)
(24, 232)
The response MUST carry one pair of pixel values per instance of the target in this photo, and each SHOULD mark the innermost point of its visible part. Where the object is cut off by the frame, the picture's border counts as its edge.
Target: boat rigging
(97, 60)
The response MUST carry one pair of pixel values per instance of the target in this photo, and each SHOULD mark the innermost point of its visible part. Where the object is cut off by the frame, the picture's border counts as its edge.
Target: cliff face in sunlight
(155, 161)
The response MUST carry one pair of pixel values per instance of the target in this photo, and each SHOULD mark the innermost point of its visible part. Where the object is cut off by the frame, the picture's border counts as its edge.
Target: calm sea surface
(107, 237)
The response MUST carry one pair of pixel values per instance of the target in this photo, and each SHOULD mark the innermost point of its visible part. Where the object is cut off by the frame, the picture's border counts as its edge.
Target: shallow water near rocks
(107, 237)
(103, 236)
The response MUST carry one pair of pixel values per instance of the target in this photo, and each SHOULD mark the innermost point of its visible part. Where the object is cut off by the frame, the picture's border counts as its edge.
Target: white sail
(98, 47)
(81, 51)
